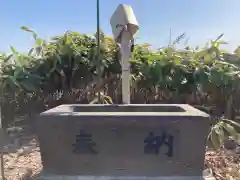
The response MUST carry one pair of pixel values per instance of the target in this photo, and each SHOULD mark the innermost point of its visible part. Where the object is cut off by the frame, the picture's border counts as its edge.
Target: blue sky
(202, 20)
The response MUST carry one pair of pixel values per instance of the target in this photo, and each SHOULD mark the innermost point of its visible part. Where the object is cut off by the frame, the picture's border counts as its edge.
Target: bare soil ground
(22, 158)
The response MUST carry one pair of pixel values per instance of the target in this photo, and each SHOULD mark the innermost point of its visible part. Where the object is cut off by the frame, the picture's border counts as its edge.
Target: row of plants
(66, 69)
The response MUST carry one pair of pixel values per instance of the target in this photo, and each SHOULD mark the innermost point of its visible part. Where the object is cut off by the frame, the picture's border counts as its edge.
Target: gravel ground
(22, 158)
(21, 154)
(225, 165)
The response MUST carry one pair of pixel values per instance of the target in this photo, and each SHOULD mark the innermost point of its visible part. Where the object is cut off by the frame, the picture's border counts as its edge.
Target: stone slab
(128, 140)
(123, 178)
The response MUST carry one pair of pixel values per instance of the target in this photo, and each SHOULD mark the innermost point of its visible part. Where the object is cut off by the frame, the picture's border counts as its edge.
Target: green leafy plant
(66, 70)
(224, 130)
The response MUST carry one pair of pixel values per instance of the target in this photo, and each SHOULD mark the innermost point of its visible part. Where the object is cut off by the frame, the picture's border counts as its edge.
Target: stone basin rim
(124, 110)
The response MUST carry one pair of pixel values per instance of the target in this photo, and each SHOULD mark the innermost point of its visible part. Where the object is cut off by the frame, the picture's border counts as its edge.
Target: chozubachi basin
(123, 141)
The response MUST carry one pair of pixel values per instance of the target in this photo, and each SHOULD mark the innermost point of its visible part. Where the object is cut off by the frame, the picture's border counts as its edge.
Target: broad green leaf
(12, 81)
(59, 60)
(233, 123)
(14, 51)
(18, 73)
(26, 29)
(34, 76)
(237, 51)
(208, 57)
(221, 135)
(38, 50)
(38, 41)
(222, 42)
(105, 101)
(29, 30)
(231, 130)
(215, 139)
(212, 43)
(34, 35)
(238, 138)
(29, 86)
(30, 51)
(219, 37)
(6, 60)
(177, 61)
(11, 84)
(109, 99)
(179, 38)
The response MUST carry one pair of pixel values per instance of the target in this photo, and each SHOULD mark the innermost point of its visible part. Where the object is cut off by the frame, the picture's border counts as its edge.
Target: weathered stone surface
(119, 133)
(124, 178)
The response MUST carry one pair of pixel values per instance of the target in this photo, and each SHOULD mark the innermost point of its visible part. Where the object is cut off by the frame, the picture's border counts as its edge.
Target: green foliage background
(66, 70)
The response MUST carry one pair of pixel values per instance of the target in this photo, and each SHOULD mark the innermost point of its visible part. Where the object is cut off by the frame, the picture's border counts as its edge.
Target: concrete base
(123, 178)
